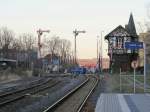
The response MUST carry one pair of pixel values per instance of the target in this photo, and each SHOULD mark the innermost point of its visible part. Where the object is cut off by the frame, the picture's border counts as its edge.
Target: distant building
(49, 63)
(22, 58)
(121, 58)
(93, 63)
(87, 62)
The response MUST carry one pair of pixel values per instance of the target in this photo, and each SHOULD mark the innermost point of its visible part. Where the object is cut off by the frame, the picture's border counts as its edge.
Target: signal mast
(40, 32)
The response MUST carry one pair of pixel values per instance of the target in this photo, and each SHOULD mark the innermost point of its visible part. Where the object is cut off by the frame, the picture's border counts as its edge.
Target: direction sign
(134, 45)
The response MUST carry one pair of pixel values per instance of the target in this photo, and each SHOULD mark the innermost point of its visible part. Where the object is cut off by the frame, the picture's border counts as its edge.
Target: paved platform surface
(123, 103)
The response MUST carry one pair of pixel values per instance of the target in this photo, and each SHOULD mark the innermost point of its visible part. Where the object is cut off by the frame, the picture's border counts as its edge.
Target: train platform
(109, 102)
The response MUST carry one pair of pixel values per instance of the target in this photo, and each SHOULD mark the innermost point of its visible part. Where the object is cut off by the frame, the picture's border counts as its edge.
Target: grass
(112, 84)
(126, 84)
(129, 89)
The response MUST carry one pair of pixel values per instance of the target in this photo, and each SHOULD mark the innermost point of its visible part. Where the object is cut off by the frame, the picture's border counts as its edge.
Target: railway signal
(76, 33)
(40, 32)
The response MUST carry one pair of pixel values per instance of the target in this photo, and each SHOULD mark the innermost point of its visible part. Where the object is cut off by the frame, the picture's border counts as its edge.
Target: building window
(127, 39)
(113, 42)
(120, 41)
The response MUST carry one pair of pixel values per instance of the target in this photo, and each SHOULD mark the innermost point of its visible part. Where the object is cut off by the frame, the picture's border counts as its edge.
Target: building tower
(121, 58)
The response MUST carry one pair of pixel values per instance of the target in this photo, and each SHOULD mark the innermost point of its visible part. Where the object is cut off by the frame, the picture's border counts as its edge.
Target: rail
(61, 100)
(14, 97)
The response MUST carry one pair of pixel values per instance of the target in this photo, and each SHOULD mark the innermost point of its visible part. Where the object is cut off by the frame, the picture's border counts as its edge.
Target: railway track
(11, 87)
(14, 96)
(75, 99)
(25, 85)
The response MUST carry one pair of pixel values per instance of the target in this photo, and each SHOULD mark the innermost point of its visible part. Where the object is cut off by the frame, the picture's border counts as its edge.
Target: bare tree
(60, 48)
(27, 41)
(65, 47)
(53, 45)
(16, 45)
(148, 10)
(6, 38)
(148, 15)
(147, 37)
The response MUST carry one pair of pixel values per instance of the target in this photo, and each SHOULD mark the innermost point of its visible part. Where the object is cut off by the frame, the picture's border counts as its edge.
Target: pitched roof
(119, 31)
(131, 26)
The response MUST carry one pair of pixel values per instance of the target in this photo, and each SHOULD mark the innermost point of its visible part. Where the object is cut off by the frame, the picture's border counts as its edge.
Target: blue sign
(55, 61)
(134, 45)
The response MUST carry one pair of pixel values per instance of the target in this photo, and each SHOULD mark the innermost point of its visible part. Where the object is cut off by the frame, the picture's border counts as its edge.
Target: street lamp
(76, 33)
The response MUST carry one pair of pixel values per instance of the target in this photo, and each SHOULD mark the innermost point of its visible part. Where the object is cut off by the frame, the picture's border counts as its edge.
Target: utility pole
(144, 67)
(76, 33)
(101, 52)
(40, 32)
(98, 55)
(97, 48)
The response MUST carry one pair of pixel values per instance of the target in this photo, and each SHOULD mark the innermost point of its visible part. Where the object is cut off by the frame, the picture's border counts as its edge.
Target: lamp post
(76, 33)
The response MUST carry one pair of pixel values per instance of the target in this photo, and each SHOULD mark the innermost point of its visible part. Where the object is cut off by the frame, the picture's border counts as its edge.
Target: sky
(61, 17)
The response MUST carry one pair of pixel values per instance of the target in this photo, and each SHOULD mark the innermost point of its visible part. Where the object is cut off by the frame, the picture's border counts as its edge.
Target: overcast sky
(63, 16)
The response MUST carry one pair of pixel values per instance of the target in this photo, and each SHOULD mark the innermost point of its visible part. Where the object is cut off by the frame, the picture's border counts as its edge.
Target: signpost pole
(120, 81)
(137, 45)
(134, 65)
(120, 84)
(144, 67)
(134, 79)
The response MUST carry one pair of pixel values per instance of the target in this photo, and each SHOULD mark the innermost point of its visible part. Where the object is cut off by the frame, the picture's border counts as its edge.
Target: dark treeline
(24, 47)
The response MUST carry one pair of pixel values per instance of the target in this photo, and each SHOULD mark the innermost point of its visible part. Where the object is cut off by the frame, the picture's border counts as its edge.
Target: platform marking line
(100, 102)
(123, 104)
